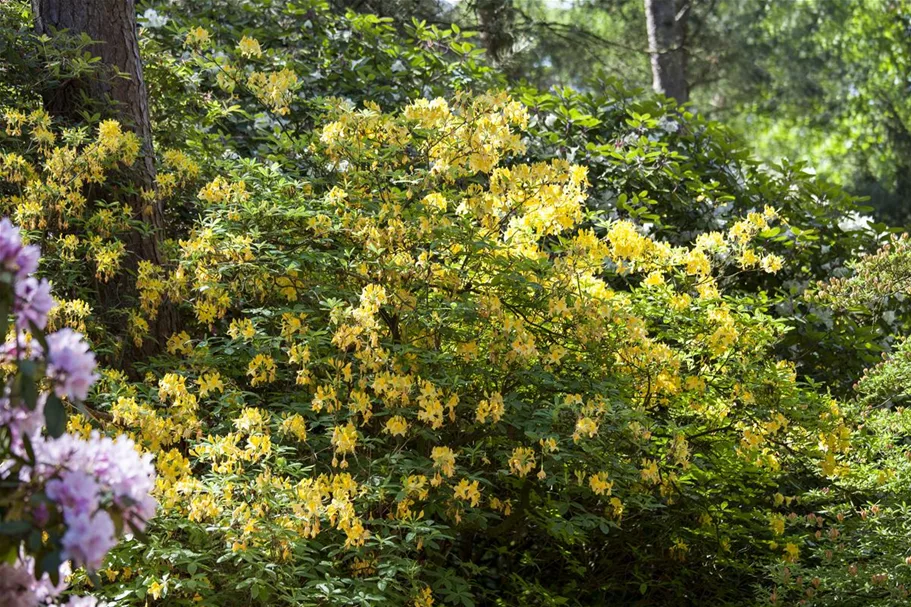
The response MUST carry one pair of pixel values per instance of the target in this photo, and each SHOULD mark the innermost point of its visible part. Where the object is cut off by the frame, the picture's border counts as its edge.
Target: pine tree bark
(119, 90)
(497, 20)
(666, 24)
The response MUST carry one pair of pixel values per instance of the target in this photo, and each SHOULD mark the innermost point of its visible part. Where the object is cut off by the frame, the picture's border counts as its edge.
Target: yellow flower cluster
(57, 189)
(222, 191)
(249, 47)
(522, 461)
(443, 299)
(600, 484)
(71, 313)
(491, 408)
(261, 370)
(198, 38)
(274, 89)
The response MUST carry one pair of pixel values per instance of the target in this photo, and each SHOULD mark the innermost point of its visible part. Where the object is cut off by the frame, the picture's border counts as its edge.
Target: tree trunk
(497, 21)
(112, 23)
(666, 24)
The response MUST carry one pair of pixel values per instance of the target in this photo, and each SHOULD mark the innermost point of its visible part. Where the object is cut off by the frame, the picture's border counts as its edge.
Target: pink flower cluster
(70, 363)
(86, 480)
(18, 588)
(33, 297)
(20, 421)
(16, 258)
(96, 472)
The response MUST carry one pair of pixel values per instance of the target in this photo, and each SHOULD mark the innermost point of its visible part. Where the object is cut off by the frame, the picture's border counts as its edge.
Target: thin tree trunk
(112, 23)
(497, 21)
(666, 24)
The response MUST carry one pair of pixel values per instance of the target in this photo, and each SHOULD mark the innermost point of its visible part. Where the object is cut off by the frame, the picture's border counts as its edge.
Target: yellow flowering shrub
(432, 354)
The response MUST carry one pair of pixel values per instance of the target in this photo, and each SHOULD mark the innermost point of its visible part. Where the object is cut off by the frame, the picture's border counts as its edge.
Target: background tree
(666, 23)
(117, 89)
(822, 82)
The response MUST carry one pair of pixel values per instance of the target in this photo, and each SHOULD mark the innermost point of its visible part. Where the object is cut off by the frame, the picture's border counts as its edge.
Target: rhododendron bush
(429, 367)
(65, 498)
(446, 347)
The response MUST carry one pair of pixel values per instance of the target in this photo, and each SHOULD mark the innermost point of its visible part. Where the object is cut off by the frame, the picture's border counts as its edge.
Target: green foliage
(835, 93)
(685, 176)
(354, 56)
(680, 173)
(578, 298)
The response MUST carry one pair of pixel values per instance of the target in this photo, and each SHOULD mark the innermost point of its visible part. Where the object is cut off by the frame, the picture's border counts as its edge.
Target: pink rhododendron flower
(83, 601)
(14, 256)
(71, 364)
(33, 302)
(17, 587)
(117, 467)
(21, 421)
(77, 493)
(88, 539)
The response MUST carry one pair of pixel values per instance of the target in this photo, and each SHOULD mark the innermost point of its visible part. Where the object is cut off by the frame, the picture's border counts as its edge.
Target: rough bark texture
(113, 24)
(497, 20)
(666, 23)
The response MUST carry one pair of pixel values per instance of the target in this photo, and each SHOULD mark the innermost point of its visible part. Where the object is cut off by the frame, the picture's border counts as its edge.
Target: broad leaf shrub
(673, 172)
(427, 359)
(65, 498)
(261, 76)
(683, 175)
(255, 85)
(411, 379)
(856, 524)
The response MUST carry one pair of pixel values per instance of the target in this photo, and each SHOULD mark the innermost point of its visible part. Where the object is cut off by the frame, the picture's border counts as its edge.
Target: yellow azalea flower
(626, 243)
(600, 484)
(424, 598)
(198, 38)
(252, 420)
(585, 426)
(649, 471)
(242, 328)
(777, 524)
(203, 507)
(654, 279)
(772, 263)
(109, 134)
(296, 426)
(697, 263)
(261, 370)
(522, 461)
(791, 553)
(180, 344)
(468, 491)
(210, 383)
(249, 47)
(748, 258)
(444, 460)
(344, 438)
(157, 589)
(274, 89)
(490, 408)
(396, 426)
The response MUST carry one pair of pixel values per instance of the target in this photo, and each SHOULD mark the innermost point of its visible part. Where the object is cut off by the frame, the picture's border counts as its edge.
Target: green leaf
(29, 390)
(14, 527)
(29, 450)
(54, 416)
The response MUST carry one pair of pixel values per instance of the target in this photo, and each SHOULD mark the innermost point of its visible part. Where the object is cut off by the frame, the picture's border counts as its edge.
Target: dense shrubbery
(65, 498)
(474, 349)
